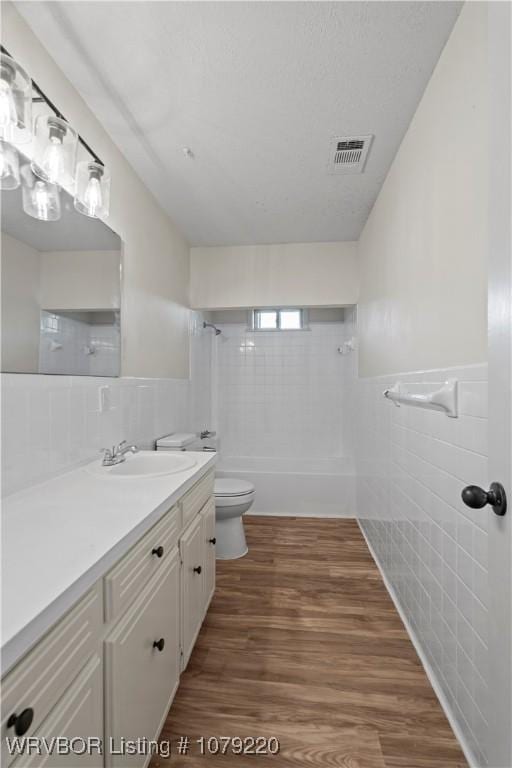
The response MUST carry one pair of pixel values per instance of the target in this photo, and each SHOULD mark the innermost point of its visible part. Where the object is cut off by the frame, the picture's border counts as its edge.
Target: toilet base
(230, 535)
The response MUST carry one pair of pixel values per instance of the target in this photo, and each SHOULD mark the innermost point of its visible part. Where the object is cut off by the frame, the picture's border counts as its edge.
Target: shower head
(210, 325)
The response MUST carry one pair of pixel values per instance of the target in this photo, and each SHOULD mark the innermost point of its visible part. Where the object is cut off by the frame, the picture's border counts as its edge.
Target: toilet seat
(229, 488)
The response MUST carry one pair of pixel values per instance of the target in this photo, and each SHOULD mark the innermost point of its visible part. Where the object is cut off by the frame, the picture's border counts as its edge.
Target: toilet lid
(227, 486)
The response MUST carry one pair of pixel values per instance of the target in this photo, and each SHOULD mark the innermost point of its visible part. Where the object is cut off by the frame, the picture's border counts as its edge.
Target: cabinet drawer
(196, 498)
(43, 675)
(78, 715)
(130, 575)
(141, 679)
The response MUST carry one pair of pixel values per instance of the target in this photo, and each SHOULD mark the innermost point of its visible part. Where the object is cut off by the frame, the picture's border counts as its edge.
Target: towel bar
(443, 399)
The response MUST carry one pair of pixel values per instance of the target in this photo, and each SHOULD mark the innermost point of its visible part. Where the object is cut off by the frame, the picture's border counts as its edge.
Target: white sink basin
(147, 464)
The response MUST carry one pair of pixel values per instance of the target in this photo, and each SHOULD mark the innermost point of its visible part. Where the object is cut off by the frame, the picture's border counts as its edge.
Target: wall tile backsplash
(411, 467)
(51, 424)
(78, 347)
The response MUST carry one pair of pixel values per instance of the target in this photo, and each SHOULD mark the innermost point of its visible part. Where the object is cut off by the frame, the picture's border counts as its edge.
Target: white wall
(155, 255)
(292, 274)
(422, 313)
(21, 301)
(423, 251)
(80, 280)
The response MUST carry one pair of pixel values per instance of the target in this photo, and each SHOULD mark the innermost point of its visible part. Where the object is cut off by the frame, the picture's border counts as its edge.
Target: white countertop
(60, 537)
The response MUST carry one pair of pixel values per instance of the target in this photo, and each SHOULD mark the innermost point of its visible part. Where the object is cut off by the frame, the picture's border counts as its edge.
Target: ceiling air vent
(348, 154)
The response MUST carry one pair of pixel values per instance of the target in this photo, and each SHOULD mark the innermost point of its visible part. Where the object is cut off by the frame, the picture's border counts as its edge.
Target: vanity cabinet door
(192, 572)
(77, 717)
(208, 525)
(142, 664)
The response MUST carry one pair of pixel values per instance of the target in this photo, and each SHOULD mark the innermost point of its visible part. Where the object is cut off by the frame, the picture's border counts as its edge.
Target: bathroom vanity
(118, 576)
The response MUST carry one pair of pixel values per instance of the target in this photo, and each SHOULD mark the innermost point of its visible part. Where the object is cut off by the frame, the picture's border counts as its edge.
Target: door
(142, 663)
(499, 746)
(209, 541)
(191, 548)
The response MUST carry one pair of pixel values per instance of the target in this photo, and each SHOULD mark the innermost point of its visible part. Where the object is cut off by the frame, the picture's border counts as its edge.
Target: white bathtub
(305, 487)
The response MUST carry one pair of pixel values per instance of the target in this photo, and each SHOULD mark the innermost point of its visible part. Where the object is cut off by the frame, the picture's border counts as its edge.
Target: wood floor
(302, 642)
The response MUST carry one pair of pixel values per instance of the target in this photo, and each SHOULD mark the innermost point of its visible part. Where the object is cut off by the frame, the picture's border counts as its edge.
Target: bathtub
(296, 486)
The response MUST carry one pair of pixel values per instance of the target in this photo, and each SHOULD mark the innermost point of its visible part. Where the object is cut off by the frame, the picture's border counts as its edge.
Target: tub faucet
(117, 454)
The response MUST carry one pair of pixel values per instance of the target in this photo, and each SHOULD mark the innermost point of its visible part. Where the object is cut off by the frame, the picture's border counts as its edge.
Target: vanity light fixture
(41, 198)
(92, 195)
(55, 147)
(9, 167)
(15, 101)
(55, 144)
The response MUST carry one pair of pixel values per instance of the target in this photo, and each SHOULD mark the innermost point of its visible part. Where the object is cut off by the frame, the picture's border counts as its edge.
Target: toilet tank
(184, 441)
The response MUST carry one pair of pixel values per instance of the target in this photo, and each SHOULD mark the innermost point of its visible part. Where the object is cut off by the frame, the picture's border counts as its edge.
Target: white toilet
(232, 499)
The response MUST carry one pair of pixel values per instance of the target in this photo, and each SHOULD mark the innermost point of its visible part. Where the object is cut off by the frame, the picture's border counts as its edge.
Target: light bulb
(93, 199)
(52, 163)
(53, 159)
(4, 167)
(9, 167)
(40, 197)
(8, 113)
(92, 191)
(15, 102)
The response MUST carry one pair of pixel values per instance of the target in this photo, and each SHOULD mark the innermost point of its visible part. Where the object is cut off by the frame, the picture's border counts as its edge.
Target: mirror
(61, 292)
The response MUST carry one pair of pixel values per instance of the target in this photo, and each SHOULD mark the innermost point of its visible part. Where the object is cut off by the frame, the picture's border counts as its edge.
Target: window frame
(253, 314)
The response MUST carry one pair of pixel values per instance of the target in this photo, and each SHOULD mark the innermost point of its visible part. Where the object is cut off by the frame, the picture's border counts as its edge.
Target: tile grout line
(468, 753)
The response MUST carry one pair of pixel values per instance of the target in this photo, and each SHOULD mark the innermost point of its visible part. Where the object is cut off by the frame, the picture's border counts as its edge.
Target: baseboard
(468, 753)
(295, 513)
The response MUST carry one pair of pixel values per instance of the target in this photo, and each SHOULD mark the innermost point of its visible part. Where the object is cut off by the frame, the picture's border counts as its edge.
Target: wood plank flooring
(302, 642)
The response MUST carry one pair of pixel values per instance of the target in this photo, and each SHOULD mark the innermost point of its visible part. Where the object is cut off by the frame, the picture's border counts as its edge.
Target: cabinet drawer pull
(21, 722)
(160, 644)
(213, 541)
(158, 551)
(197, 569)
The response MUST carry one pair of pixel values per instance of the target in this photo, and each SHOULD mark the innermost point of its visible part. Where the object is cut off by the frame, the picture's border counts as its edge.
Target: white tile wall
(201, 373)
(411, 466)
(74, 337)
(281, 394)
(52, 423)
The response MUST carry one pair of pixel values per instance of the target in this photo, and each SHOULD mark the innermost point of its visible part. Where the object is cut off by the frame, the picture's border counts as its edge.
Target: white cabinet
(142, 663)
(191, 548)
(109, 669)
(127, 578)
(77, 716)
(208, 536)
(37, 683)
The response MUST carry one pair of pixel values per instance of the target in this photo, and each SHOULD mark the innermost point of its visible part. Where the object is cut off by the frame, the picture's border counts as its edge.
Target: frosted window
(278, 319)
(290, 319)
(266, 320)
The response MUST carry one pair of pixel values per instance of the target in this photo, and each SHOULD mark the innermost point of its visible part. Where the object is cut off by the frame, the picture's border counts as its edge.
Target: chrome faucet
(117, 454)
(205, 433)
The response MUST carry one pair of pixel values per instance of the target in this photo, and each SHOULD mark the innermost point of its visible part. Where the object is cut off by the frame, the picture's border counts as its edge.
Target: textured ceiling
(256, 90)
